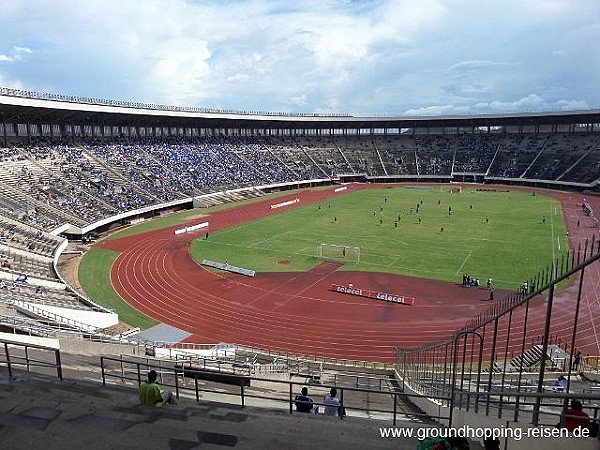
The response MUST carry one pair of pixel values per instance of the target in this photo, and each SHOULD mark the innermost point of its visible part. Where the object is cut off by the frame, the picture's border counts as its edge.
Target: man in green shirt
(151, 395)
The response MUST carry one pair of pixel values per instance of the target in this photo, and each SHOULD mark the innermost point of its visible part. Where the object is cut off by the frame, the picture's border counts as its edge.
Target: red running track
(295, 312)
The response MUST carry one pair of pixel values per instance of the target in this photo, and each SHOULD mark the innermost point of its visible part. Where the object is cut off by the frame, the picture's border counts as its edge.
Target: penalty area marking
(256, 244)
(464, 262)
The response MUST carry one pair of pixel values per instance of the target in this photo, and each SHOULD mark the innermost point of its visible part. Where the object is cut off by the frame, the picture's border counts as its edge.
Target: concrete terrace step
(39, 412)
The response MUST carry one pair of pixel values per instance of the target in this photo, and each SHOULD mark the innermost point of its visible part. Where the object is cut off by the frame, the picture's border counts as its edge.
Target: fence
(384, 403)
(19, 351)
(498, 364)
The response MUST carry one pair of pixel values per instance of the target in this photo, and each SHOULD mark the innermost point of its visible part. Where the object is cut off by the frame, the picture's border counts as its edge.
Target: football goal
(339, 252)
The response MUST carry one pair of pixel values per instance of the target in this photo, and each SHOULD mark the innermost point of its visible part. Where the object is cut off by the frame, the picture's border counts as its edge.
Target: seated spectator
(560, 384)
(304, 403)
(575, 417)
(151, 395)
(22, 278)
(333, 405)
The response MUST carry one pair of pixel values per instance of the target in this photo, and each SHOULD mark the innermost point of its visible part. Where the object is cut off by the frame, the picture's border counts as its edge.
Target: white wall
(92, 318)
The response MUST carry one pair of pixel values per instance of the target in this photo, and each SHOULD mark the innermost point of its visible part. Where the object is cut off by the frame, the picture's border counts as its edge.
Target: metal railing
(29, 356)
(389, 403)
(12, 92)
(289, 358)
(486, 361)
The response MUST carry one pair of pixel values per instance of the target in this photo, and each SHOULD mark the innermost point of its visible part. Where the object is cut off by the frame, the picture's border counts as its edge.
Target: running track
(296, 313)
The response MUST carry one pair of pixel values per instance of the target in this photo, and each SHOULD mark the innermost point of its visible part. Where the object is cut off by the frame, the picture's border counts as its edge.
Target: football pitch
(423, 231)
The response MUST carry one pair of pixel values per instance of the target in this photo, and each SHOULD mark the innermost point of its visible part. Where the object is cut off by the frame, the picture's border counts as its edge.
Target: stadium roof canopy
(18, 106)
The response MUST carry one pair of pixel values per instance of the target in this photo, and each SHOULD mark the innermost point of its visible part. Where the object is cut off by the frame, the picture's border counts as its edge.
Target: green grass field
(509, 236)
(94, 277)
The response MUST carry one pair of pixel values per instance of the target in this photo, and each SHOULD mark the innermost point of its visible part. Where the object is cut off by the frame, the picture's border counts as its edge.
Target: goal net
(339, 252)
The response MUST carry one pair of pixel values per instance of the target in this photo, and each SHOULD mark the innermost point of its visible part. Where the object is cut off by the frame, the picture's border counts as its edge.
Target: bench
(218, 377)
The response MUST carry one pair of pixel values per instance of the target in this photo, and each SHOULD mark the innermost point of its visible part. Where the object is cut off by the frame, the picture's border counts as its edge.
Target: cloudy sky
(365, 58)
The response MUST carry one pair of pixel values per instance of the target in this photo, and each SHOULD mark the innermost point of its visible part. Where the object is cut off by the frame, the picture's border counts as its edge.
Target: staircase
(556, 359)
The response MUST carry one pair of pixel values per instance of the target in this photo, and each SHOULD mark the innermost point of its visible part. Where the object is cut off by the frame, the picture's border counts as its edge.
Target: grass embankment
(94, 277)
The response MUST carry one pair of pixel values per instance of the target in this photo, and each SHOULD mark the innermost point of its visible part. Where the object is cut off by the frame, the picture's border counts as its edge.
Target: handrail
(185, 380)
(13, 359)
(53, 316)
(130, 370)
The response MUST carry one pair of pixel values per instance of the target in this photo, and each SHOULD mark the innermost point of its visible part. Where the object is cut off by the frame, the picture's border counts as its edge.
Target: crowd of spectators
(475, 152)
(173, 168)
(434, 154)
(43, 183)
(516, 155)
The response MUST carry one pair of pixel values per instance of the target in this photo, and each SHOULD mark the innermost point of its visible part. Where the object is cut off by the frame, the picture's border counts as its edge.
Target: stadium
(310, 242)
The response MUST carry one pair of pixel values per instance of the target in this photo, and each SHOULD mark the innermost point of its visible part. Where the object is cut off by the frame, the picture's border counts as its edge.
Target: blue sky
(358, 57)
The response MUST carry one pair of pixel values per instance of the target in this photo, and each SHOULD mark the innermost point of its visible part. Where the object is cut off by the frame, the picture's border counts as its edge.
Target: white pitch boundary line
(464, 262)
(256, 244)
(393, 262)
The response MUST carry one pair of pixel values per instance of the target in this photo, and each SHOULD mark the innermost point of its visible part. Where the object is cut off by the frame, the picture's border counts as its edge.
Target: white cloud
(436, 110)
(300, 100)
(572, 105)
(18, 49)
(478, 64)
(383, 57)
(16, 54)
(178, 70)
(530, 103)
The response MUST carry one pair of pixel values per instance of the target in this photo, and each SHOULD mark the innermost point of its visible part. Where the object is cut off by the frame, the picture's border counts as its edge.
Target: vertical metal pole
(446, 378)
(8, 359)
(538, 400)
(575, 323)
(472, 352)
(523, 342)
(102, 369)
(58, 364)
(505, 357)
(437, 372)
(403, 369)
(26, 357)
(492, 362)
(479, 366)
(462, 376)
(452, 384)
